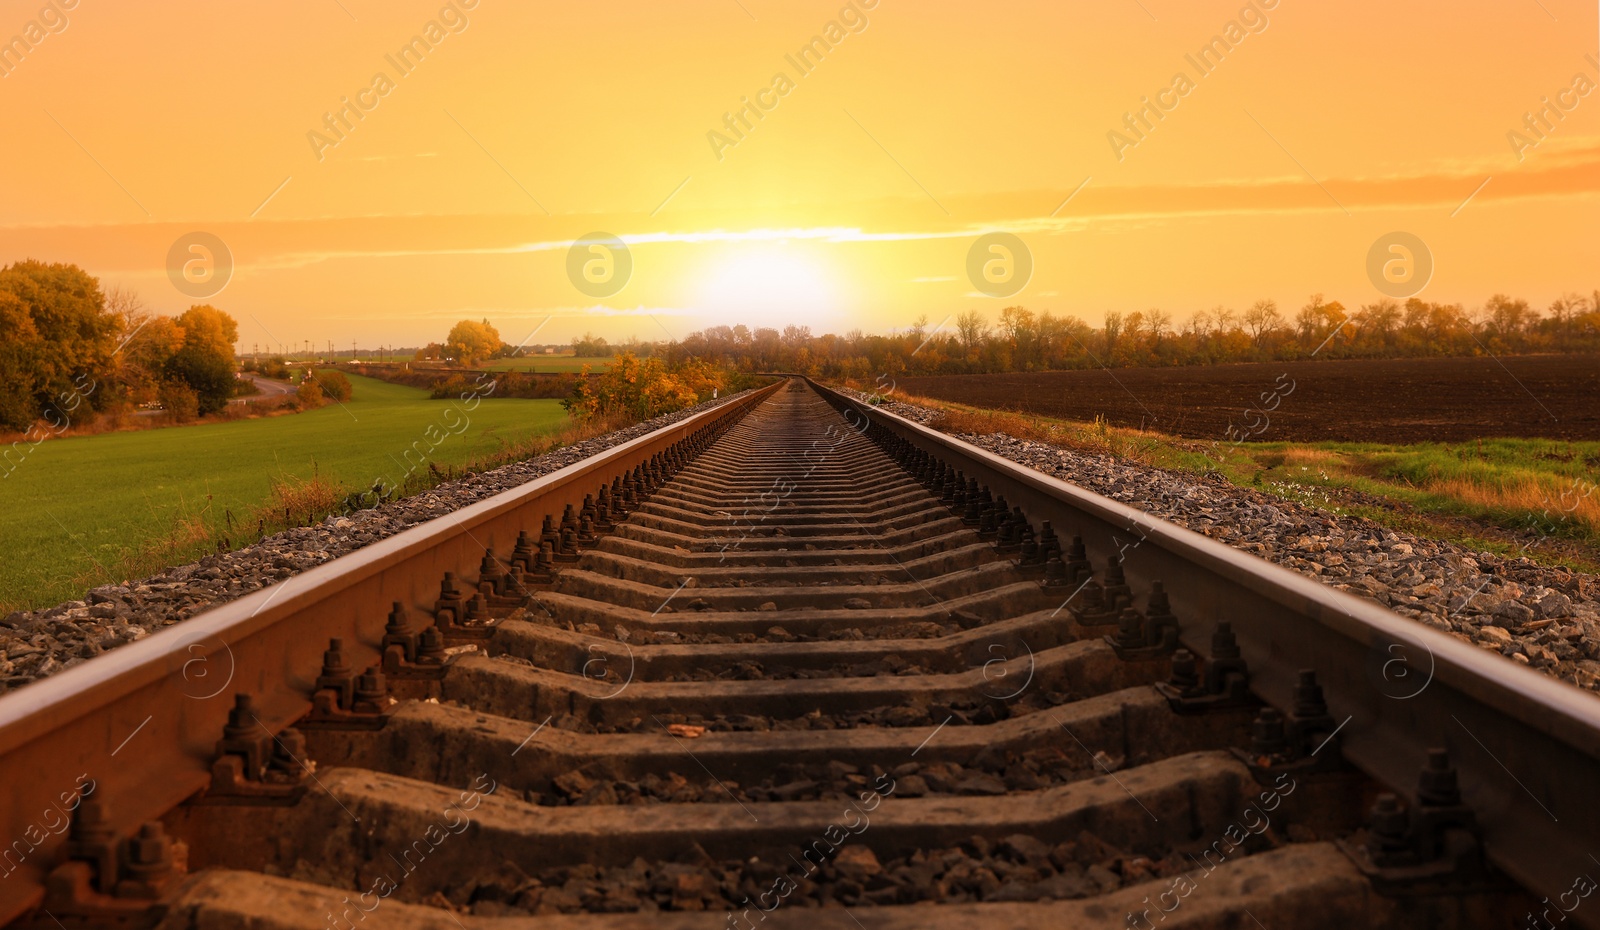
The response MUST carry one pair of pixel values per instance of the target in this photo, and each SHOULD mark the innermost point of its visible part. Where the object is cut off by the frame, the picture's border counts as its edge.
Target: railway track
(796, 662)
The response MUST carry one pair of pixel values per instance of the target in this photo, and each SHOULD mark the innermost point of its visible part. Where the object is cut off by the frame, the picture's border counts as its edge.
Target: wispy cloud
(1569, 170)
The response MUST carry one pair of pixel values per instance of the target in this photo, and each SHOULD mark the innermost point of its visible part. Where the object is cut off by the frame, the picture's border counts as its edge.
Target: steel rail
(1526, 746)
(143, 721)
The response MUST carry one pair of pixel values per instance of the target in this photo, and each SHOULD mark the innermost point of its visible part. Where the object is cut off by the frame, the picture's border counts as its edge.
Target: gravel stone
(1548, 618)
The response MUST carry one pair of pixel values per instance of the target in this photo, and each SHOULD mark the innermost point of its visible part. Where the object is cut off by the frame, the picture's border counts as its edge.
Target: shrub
(180, 401)
(334, 384)
(453, 386)
(309, 395)
(643, 389)
(274, 368)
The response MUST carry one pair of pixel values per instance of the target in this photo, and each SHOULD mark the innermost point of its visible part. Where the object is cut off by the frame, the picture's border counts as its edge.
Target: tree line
(1019, 339)
(470, 343)
(70, 351)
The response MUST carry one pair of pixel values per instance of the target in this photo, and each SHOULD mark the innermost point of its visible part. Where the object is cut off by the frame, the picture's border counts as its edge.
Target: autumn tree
(1112, 332)
(796, 336)
(1506, 320)
(591, 346)
(60, 341)
(205, 360)
(1317, 321)
(971, 329)
(470, 343)
(19, 382)
(641, 388)
(1160, 323)
(1565, 313)
(1017, 327)
(1380, 323)
(1262, 318)
(147, 342)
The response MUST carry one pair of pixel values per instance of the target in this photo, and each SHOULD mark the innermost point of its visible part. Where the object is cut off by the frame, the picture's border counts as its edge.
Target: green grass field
(75, 510)
(546, 363)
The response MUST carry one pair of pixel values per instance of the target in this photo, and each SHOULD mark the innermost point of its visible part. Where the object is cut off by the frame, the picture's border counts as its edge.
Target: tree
(58, 338)
(919, 328)
(1262, 318)
(1160, 323)
(470, 343)
(1113, 331)
(1565, 311)
(148, 342)
(1379, 322)
(1434, 329)
(1317, 321)
(19, 402)
(1020, 329)
(205, 361)
(1507, 319)
(591, 346)
(971, 330)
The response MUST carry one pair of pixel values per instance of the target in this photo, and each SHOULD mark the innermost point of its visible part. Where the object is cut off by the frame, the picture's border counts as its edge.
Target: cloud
(1559, 169)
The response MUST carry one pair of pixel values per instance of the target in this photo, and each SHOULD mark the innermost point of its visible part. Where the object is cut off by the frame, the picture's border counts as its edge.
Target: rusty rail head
(1526, 747)
(141, 723)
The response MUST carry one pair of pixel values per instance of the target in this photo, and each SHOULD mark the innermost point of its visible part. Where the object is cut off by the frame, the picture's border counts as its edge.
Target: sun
(767, 285)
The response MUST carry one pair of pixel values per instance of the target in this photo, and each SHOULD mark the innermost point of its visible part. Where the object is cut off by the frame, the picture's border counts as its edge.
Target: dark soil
(1360, 400)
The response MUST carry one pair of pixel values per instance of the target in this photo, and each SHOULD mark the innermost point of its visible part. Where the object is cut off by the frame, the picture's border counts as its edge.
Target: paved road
(267, 386)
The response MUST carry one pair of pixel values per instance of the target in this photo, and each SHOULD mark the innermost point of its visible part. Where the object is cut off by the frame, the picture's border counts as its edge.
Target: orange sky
(854, 200)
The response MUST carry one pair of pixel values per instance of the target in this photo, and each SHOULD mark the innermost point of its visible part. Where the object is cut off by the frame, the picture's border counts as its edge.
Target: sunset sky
(852, 202)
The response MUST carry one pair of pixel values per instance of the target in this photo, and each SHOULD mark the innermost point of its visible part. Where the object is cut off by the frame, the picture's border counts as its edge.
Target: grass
(548, 363)
(83, 511)
(1512, 497)
(1533, 497)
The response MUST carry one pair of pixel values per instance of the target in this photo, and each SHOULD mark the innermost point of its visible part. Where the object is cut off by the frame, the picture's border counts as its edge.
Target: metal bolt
(1267, 733)
(1438, 786)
